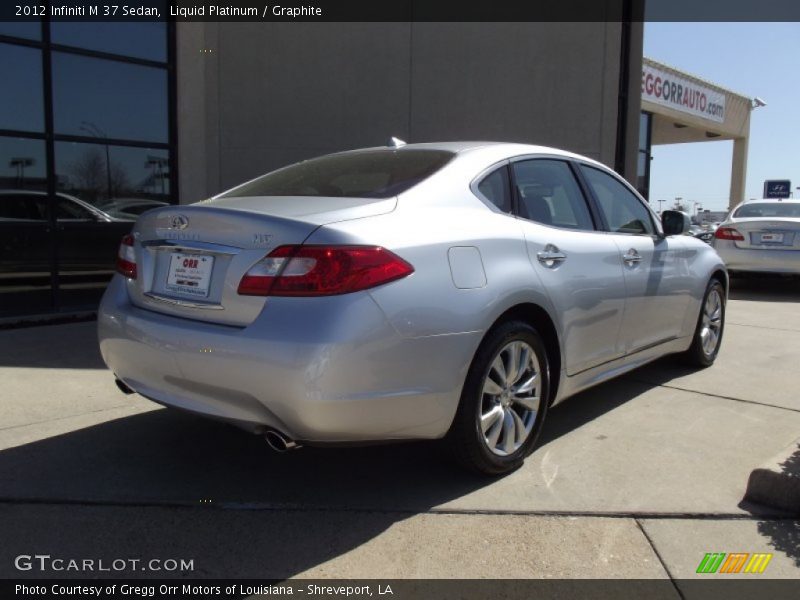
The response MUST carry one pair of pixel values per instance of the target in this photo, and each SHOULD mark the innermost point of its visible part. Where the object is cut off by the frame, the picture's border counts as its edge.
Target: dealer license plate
(771, 238)
(189, 274)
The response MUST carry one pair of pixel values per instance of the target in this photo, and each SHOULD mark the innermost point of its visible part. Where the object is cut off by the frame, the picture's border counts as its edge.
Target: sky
(753, 59)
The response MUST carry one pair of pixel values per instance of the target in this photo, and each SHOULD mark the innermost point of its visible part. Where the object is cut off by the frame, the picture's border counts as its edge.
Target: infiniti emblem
(178, 222)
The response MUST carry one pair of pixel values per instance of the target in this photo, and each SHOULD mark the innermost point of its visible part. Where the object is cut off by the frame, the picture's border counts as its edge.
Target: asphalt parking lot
(638, 478)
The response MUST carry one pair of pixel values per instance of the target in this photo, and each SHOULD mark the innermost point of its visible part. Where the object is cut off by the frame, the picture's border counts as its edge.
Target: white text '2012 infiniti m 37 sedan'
(419, 291)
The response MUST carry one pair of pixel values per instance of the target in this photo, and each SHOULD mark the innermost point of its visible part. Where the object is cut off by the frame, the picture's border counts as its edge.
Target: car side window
(19, 208)
(548, 194)
(496, 189)
(623, 211)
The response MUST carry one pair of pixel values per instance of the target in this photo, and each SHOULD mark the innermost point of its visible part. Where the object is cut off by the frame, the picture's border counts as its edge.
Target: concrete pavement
(637, 478)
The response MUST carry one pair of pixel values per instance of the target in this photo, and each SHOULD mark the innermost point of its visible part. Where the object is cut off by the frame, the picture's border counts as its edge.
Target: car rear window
(767, 209)
(368, 174)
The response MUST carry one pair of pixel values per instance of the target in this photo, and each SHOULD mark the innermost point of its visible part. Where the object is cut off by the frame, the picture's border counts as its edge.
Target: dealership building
(679, 108)
(102, 121)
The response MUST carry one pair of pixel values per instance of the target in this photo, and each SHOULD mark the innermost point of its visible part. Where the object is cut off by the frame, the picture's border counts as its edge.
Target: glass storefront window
(31, 30)
(25, 240)
(22, 164)
(644, 131)
(22, 97)
(120, 180)
(101, 190)
(105, 98)
(643, 163)
(139, 40)
(641, 167)
(57, 251)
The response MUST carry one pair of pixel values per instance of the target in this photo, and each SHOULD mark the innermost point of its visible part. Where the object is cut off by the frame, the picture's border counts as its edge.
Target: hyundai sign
(777, 188)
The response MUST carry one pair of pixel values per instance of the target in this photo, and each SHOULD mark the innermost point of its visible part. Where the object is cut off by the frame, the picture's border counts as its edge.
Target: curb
(776, 483)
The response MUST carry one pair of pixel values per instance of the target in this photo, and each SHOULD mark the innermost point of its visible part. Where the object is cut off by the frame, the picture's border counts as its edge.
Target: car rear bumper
(317, 369)
(758, 260)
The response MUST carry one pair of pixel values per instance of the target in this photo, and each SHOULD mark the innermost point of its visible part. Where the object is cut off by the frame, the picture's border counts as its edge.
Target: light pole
(94, 130)
(660, 210)
(20, 162)
(158, 163)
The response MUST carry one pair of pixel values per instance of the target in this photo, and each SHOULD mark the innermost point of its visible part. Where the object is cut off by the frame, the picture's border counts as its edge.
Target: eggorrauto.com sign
(677, 93)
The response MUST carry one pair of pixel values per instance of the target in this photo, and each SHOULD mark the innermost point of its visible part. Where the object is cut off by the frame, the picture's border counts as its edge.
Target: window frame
(658, 231)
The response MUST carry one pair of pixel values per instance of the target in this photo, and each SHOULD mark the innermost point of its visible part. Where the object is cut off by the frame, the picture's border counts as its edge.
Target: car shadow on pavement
(72, 346)
(164, 483)
(576, 411)
(167, 483)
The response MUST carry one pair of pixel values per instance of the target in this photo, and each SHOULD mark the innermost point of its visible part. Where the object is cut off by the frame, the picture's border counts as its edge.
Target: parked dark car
(85, 245)
(701, 233)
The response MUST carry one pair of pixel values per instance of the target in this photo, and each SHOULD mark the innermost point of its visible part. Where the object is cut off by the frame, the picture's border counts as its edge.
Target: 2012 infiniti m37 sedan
(419, 291)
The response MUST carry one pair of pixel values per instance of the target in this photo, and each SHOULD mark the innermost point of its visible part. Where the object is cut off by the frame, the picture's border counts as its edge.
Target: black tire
(466, 438)
(697, 355)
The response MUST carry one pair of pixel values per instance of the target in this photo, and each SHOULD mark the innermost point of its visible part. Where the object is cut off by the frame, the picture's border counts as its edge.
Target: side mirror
(675, 222)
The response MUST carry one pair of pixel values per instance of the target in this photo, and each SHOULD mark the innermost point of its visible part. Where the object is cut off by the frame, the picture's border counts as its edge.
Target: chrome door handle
(551, 256)
(631, 257)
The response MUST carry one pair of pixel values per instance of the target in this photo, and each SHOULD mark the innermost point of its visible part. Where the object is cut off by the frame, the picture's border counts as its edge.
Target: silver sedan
(761, 236)
(420, 291)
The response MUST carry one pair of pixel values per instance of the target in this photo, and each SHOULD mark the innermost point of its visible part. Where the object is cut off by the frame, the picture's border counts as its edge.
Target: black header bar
(401, 10)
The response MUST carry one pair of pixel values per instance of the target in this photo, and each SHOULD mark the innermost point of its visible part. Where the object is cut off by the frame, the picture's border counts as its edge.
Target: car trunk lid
(768, 233)
(190, 259)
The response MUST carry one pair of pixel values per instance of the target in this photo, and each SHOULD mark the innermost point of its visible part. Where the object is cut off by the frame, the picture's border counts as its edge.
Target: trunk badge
(261, 240)
(178, 222)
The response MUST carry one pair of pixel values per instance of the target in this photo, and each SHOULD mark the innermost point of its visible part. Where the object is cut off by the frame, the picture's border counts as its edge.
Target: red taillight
(728, 233)
(322, 271)
(126, 258)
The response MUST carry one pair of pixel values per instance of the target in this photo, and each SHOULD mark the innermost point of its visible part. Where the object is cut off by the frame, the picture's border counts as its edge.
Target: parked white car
(761, 236)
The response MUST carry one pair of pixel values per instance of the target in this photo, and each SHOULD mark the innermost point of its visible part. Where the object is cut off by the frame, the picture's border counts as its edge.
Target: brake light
(322, 271)
(126, 258)
(728, 233)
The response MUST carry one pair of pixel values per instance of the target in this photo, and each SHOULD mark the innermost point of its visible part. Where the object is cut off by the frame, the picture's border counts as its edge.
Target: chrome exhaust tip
(123, 388)
(279, 442)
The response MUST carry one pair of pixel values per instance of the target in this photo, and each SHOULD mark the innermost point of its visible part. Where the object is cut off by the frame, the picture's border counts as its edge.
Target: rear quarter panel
(430, 221)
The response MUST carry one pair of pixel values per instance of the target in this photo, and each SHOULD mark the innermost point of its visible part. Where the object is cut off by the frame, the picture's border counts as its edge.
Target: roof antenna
(395, 142)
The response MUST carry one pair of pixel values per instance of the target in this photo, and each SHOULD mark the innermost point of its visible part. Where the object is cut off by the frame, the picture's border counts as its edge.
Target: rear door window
(364, 174)
(549, 194)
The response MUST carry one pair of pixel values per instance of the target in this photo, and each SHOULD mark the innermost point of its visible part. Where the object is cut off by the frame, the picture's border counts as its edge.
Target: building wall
(253, 97)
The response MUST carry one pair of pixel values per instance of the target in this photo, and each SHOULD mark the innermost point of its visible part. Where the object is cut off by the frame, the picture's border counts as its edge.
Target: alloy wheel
(510, 398)
(712, 322)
